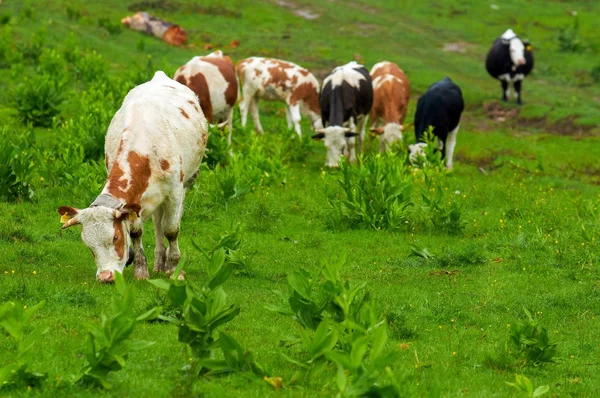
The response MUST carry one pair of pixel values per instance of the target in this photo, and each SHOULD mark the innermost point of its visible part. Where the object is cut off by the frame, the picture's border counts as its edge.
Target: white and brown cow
(212, 78)
(391, 93)
(346, 100)
(276, 80)
(154, 146)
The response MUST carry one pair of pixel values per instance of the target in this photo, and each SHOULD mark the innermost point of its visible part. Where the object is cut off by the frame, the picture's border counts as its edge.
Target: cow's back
(441, 106)
(161, 122)
(497, 61)
(391, 92)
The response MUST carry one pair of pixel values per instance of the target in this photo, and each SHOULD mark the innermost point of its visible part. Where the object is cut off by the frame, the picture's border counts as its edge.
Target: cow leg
(362, 124)
(160, 249)
(255, 116)
(140, 264)
(295, 118)
(517, 85)
(244, 107)
(173, 210)
(505, 91)
(449, 147)
(288, 117)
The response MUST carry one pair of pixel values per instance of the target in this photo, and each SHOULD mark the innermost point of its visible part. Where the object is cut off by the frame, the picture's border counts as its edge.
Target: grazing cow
(510, 59)
(440, 107)
(391, 93)
(212, 78)
(346, 101)
(275, 80)
(153, 149)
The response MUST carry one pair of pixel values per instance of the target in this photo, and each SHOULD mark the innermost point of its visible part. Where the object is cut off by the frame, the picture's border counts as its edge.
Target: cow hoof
(141, 274)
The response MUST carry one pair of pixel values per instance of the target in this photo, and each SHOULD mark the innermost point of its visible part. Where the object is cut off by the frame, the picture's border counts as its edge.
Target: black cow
(346, 100)
(510, 59)
(440, 107)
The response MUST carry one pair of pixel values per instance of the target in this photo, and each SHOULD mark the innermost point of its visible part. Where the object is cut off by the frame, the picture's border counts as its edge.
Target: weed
(230, 244)
(74, 14)
(90, 67)
(441, 208)
(16, 166)
(38, 99)
(525, 388)
(217, 150)
(5, 18)
(376, 194)
(569, 39)
(32, 50)
(113, 28)
(14, 319)
(532, 341)
(109, 344)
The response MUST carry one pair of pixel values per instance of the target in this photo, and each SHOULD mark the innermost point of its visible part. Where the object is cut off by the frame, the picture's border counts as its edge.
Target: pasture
(449, 267)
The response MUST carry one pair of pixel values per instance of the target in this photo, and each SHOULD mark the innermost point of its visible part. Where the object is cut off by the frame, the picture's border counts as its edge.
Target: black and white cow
(510, 59)
(440, 107)
(346, 100)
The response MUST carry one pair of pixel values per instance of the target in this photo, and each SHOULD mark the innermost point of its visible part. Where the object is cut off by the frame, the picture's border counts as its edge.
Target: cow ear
(318, 136)
(131, 211)
(68, 216)
(349, 134)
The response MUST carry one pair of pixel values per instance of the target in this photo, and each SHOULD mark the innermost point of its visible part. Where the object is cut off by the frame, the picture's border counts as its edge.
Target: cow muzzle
(130, 257)
(106, 277)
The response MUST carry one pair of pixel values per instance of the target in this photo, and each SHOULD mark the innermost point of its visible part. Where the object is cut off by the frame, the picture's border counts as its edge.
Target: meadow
(378, 279)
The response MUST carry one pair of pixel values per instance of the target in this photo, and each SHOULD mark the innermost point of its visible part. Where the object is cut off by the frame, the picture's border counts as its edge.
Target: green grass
(525, 185)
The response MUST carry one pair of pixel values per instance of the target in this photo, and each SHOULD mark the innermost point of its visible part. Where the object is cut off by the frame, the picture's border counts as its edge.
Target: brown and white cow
(276, 80)
(212, 78)
(153, 149)
(391, 93)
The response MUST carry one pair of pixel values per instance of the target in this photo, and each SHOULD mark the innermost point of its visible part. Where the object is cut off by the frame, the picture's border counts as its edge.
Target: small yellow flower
(34, 272)
(6, 272)
(508, 325)
(440, 326)
(491, 284)
(572, 356)
(453, 353)
(24, 307)
(13, 271)
(452, 320)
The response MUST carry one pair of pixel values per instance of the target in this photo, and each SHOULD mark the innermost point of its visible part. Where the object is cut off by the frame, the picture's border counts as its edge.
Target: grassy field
(524, 189)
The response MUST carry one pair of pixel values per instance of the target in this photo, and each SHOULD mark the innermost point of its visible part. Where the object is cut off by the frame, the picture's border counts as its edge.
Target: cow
(440, 108)
(276, 80)
(212, 78)
(391, 93)
(153, 149)
(346, 100)
(509, 60)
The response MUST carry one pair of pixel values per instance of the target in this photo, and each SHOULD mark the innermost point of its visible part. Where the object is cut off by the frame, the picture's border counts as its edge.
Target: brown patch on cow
(198, 85)
(193, 103)
(140, 170)
(183, 112)
(307, 93)
(303, 72)
(164, 164)
(180, 169)
(390, 99)
(257, 72)
(278, 77)
(181, 69)
(119, 243)
(227, 70)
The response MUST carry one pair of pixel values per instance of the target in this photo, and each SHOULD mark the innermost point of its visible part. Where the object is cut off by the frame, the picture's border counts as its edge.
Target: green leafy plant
(109, 343)
(444, 212)
(569, 39)
(232, 243)
(32, 49)
(38, 99)
(525, 388)
(17, 160)
(532, 341)
(113, 28)
(217, 150)
(375, 194)
(14, 319)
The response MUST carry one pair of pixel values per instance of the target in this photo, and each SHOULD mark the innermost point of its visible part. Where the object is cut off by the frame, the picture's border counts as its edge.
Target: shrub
(7, 52)
(595, 74)
(38, 99)
(232, 242)
(90, 67)
(569, 39)
(16, 166)
(112, 27)
(15, 319)
(375, 194)
(109, 344)
(32, 50)
(532, 341)
(217, 150)
(444, 212)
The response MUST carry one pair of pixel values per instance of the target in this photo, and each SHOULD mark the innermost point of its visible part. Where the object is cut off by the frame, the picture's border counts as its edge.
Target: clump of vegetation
(231, 246)
(14, 319)
(444, 212)
(112, 27)
(109, 344)
(523, 385)
(375, 194)
(38, 99)
(17, 166)
(568, 38)
(532, 341)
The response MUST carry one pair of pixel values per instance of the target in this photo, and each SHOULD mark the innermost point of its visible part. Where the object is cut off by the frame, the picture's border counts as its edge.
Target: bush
(439, 205)
(16, 166)
(32, 50)
(38, 99)
(374, 194)
(532, 341)
(112, 27)
(90, 67)
(568, 38)
(217, 150)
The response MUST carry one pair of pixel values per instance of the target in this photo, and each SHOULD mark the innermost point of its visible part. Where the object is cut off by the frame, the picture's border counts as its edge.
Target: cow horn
(346, 129)
(222, 124)
(71, 222)
(320, 131)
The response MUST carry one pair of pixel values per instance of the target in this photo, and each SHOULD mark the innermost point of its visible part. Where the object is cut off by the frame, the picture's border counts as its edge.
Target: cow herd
(156, 140)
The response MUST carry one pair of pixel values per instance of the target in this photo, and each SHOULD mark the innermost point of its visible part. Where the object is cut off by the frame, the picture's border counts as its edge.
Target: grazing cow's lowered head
(509, 60)
(334, 138)
(106, 232)
(389, 134)
(346, 100)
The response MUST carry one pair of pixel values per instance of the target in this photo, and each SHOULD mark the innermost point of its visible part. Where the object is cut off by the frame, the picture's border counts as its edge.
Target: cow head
(335, 142)
(390, 133)
(106, 232)
(517, 51)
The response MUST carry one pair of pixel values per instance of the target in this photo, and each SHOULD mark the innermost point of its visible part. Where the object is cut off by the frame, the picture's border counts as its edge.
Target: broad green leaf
(120, 282)
(178, 270)
(32, 310)
(216, 262)
(177, 294)
(138, 345)
(149, 315)
(221, 276)
(541, 390)
(160, 283)
(341, 378)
